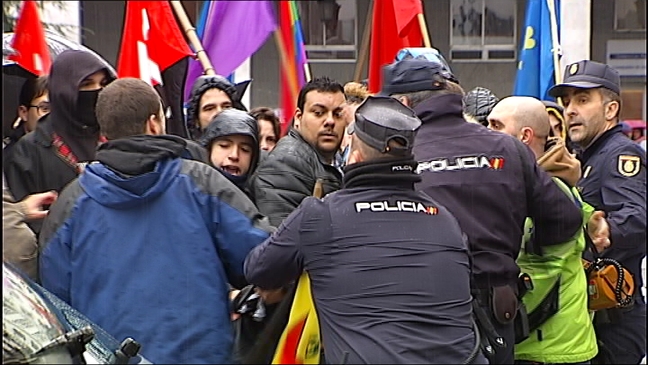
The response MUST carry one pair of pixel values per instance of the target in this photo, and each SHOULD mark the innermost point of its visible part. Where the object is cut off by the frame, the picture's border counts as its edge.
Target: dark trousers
(623, 340)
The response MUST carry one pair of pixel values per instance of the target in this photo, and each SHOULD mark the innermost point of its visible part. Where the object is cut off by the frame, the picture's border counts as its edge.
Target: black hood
(137, 155)
(68, 70)
(200, 86)
(231, 122)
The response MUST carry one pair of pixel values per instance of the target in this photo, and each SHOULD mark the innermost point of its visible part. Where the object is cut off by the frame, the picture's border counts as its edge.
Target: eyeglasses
(43, 108)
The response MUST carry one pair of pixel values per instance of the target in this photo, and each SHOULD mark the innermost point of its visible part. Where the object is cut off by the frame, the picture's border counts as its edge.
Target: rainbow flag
(293, 68)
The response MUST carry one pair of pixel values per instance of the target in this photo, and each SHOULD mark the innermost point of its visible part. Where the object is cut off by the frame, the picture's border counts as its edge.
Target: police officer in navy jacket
(389, 267)
(613, 180)
(489, 181)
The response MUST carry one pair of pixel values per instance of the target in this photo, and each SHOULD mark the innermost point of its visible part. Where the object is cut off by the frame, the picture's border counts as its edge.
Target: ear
(526, 135)
(612, 110)
(153, 126)
(355, 156)
(404, 100)
(297, 117)
(23, 112)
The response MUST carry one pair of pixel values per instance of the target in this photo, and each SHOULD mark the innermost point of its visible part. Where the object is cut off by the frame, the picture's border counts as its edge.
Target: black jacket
(388, 266)
(614, 180)
(288, 175)
(478, 175)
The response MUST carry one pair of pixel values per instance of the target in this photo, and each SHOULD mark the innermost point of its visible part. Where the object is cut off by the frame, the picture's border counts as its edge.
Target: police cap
(588, 74)
(381, 119)
(411, 75)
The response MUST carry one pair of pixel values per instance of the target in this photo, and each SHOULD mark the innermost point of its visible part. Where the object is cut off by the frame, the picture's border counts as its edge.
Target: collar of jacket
(437, 107)
(295, 134)
(396, 173)
(139, 154)
(599, 142)
(558, 162)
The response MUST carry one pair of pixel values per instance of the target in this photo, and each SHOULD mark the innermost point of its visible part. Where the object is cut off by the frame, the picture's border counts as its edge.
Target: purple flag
(233, 32)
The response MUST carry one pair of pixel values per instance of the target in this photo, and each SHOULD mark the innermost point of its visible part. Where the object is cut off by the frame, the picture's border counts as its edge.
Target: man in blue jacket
(489, 181)
(144, 243)
(388, 266)
(613, 180)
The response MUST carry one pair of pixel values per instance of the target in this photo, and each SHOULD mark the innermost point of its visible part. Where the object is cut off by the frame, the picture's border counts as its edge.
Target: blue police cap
(411, 75)
(588, 75)
(381, 119)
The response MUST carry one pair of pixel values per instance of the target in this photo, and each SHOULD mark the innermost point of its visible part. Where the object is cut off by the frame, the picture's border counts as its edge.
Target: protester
(479, 175)
(613, 180)
(365, 262)
(65, 140)
(564, 335)
(477, 104)
(231, 140)
(305, 154)
(269, 127)
(33, 104)
(210, 95)
(19, 244)
(355, 94)
(178, 233)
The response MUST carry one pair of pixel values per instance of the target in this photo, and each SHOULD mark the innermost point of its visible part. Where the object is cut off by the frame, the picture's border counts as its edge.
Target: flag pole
(556, 50)
(364, 48)
(190, 31)
(424, 30)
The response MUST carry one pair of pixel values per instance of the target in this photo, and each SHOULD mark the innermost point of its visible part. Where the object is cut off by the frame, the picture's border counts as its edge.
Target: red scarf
(65, 153)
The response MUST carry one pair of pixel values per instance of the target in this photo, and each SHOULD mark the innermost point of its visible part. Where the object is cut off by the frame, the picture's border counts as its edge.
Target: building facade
(479, 38)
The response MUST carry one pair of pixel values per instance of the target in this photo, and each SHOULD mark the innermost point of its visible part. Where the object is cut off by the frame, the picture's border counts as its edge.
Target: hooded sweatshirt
(72, 111)
(234, 122)
(145, 243)
(200, 86)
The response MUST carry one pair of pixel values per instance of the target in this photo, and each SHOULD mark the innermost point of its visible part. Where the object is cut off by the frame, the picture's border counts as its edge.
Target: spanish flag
(300, 341)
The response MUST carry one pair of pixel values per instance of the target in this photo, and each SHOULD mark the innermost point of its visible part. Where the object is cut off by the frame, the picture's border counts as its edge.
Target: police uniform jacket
(614, 180)
(478, 174)
(388, 266)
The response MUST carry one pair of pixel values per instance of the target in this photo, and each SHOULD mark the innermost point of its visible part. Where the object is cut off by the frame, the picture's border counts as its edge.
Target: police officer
(389, 268)
(489, 181)
(613, 180)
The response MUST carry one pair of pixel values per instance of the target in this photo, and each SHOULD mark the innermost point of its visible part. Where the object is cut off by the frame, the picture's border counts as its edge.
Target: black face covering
(86, 102)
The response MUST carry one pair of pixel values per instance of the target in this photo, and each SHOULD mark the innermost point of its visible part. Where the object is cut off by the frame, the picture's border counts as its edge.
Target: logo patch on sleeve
(629, 165)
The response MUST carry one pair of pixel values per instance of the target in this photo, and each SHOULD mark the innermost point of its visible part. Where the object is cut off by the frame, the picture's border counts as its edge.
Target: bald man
(522, 117)
(567, 335)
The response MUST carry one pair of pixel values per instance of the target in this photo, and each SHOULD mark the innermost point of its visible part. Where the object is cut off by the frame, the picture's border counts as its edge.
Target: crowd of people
(434, 225)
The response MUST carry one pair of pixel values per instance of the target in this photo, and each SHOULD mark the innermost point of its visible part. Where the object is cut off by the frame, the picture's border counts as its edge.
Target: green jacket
(567, 336)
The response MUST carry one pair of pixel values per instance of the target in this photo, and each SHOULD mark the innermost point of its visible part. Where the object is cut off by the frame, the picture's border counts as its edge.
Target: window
(630, 15)
(483, 30)
(329, 28)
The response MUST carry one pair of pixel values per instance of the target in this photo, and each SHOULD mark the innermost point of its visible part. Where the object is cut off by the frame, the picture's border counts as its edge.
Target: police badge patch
(629, 165)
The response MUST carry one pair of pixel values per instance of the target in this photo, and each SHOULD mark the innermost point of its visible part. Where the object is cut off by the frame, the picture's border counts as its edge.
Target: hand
(33, 205)
(271, 296)
(599, 230)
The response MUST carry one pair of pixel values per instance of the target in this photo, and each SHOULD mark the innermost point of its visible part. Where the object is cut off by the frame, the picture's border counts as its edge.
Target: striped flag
(293, 70)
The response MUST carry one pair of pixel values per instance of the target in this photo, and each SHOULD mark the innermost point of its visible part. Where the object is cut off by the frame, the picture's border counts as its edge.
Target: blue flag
(535, 74)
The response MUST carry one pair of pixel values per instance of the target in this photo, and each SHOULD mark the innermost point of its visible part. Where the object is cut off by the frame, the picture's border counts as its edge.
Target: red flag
(29, 43)
(394, 26)
(152, 41)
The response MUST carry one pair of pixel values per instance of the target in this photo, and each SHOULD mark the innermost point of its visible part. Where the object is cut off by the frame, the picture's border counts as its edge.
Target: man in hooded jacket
(232, 143)
(65, 139)
(144, 242)
(210, 95)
